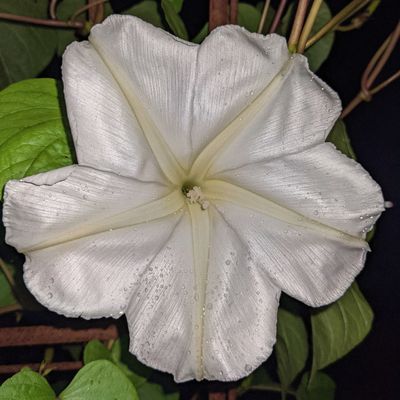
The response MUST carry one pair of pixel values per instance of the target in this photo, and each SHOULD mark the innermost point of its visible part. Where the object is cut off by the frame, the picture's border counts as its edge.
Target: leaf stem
(43, 22)
(308, 25)
(297, 25)
(263, 16)
(278, 16)
(393, 39)
(342, 15)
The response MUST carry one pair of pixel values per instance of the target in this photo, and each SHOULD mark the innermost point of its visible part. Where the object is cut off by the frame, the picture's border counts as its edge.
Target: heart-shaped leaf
(291, 346)
(34, 136)
(26, 385)
(339, 327)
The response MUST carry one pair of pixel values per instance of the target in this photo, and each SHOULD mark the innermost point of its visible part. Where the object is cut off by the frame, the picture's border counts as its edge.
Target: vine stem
(312, 16)
(278, 16)
(374, 67)
(52, 9)
(43, 22)
(263, 16)
(342, 15)
(92, 8)
(297, 25)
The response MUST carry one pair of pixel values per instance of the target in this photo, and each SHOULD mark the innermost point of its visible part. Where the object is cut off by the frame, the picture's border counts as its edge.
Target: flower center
(194, 194)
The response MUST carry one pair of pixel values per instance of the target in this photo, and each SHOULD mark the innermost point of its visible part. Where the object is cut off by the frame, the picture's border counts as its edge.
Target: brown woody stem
(39, 335)
(218, 16)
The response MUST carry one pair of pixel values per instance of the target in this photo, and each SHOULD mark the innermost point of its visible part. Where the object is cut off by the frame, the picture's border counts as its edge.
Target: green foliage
(147, 10)
(173, 19)
(259, 378)
(322, 387)
(7, 296)
(25, 50)
(95, 350)
(339, 327)
(201, 35)
(26, 385)
(291, 346)
(100, 380)
(33, 132)
(248, 16)
(319, 51)
(338, 136)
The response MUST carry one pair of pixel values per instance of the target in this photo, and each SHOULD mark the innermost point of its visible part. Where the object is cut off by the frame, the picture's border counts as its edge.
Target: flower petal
(155, 68)
(241, 306)
(105, 130)
(314, 268)
(297, 116)
(233, 68)
(160, 314)
(319, 183)
(95, 276)
(73, 202)
(240, 303)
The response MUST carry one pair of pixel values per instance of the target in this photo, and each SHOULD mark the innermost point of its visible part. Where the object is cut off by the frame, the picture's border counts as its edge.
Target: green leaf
(25, 50)
(7, 297)
(202, 34)
(339, 327)
(248, 17)
(100, 380)
(147, 11)
(338, 136)
(33, 133)
(95, 350)
(131, 361)
(176, 5)
(322, 387)
(173, 19)
(291, 346)
(319, 51)
(258, 378)
(26, 385)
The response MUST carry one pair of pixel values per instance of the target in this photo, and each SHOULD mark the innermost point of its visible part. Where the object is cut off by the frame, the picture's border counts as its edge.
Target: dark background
(371, 371)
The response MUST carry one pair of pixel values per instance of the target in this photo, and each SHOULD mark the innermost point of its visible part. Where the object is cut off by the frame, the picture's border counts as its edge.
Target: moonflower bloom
(204, 188)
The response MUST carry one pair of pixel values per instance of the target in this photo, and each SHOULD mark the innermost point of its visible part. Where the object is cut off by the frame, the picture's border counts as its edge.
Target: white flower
(204, 188)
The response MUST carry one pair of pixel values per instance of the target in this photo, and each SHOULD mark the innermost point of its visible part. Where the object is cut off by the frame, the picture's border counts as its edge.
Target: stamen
(195, 195)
